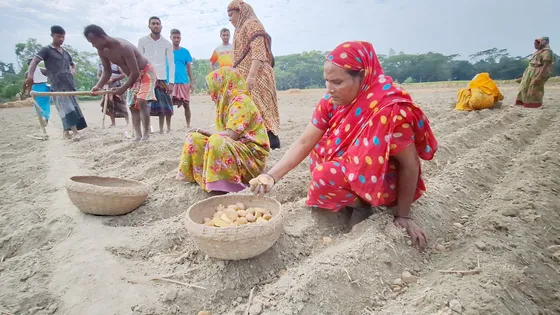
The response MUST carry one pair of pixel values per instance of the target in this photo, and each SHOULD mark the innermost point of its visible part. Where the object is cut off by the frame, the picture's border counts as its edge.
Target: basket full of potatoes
(234, 227)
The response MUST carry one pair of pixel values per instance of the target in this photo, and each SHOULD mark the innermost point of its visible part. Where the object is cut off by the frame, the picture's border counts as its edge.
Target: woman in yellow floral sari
(225, 161)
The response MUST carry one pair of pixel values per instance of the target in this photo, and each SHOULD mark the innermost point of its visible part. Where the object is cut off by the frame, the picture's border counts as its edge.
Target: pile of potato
(236, 215)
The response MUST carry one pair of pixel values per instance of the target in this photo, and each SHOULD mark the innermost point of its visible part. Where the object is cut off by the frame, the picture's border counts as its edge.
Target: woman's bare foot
(137, 139)
(168, 130)
(66, 135)
(145, 138)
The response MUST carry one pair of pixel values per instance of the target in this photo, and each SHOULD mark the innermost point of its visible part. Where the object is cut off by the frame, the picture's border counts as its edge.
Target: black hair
(225, 29)
(56, 29)
(355, 73)
(175, 31)
(95, 30)
(153, 18)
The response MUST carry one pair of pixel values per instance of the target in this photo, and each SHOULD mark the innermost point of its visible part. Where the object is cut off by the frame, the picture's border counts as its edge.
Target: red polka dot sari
(354, 159)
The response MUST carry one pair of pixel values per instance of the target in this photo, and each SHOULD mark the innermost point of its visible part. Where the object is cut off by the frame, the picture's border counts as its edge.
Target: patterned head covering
(224, 85)
(246, 12)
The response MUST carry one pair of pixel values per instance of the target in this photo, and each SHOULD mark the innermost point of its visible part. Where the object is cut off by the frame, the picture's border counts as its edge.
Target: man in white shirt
(159, 52)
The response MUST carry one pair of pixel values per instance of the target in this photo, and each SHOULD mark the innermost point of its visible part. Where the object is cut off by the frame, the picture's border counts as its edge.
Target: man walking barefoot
(159, 52)
(141, 75)
(184, 79)
(60, 70)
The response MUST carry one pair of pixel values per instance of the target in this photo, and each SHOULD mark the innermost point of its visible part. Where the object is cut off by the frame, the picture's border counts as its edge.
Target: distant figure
(227, 160)
(223, 54)
(116, 107)
(159, 52)
(531, 92)
(141, 75)
(254, 60)
(184, 79)
(60, 71)
(482, 93)
(40, 85)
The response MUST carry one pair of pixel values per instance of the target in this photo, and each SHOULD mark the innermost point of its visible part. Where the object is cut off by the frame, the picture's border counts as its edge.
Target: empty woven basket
(106, 195)
(234, 242)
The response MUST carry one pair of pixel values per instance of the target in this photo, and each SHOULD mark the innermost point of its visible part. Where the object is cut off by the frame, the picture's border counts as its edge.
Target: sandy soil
(493, 203)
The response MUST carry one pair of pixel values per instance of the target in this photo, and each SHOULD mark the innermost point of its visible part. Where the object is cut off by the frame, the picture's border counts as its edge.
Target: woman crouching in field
(225, 161)
(365, 140)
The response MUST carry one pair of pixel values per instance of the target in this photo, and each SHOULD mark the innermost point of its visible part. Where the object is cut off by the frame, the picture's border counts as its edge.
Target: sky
(413, 26)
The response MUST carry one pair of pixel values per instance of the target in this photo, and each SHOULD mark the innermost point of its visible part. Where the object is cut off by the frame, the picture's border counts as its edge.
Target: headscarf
(543, 43)
(224, 85)
(361, 132)
(246, 12)
(247, 29)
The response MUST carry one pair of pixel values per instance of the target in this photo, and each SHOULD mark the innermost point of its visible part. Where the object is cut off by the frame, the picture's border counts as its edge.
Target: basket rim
(73, 179)
(275, 218)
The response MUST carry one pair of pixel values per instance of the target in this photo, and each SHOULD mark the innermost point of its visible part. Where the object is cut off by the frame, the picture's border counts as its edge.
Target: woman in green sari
(531, 92)
(225, 161)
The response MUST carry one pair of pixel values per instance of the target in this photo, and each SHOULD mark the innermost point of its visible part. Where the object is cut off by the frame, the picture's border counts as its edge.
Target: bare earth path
(493, 205)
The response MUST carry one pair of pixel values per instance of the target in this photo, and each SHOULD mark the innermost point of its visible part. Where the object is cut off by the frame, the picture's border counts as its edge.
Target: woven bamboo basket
(235, 242)
(106, 195)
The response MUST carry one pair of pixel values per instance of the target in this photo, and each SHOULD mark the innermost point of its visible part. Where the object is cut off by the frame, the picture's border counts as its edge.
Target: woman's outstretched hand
(417, 235)
(262, 184)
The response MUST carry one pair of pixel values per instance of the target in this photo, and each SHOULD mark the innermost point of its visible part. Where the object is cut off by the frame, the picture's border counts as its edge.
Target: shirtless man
(141, 75)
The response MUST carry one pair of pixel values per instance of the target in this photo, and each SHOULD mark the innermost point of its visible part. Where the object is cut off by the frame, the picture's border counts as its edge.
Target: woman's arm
(409, 168)
(297, 152)
(258, 57)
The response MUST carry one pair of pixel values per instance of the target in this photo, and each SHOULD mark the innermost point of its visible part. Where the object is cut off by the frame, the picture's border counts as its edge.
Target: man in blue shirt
(184, 79)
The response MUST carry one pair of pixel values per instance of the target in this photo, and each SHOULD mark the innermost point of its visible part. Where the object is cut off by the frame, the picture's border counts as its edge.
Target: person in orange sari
(365, 140)
(253, 59)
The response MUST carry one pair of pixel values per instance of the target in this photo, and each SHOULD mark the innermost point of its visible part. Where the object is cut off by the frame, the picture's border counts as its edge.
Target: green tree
(86, 68)
(26, 51)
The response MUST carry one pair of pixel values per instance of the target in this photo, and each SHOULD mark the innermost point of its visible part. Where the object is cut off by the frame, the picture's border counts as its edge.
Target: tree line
(299, 71)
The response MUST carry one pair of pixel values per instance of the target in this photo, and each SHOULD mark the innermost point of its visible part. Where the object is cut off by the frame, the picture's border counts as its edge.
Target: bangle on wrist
(274, 179)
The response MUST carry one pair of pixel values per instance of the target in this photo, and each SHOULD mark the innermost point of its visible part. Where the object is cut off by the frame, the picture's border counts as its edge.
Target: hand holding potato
(262, 184)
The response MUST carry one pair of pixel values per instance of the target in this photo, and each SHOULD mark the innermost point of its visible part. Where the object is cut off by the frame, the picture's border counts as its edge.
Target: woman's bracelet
(273, 179)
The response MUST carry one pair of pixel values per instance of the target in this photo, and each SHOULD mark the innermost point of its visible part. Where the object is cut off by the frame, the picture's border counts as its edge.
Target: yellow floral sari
(219, 163)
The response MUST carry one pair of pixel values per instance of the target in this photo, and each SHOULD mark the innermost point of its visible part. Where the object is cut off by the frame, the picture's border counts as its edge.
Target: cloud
(445, 26)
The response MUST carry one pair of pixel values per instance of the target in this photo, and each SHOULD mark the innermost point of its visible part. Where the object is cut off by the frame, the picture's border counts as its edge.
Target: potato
(209, 223)
(233, 207)
(261, 220)
(251, 211)
(220, 208)
(267, 216)
(258, 214)
(231, 214)
(262, 210)
(241, 213)
(220, 223)
(226, 219)
(250, 217)
(218, 214)
(242, 221)
(240, 206)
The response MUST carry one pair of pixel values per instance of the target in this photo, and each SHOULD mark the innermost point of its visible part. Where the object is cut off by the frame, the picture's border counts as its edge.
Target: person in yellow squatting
(482, 93)
(227, 160)
(365, 141)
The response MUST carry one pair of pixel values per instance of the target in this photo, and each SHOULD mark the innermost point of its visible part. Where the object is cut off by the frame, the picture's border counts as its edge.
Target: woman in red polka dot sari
(365, 141)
